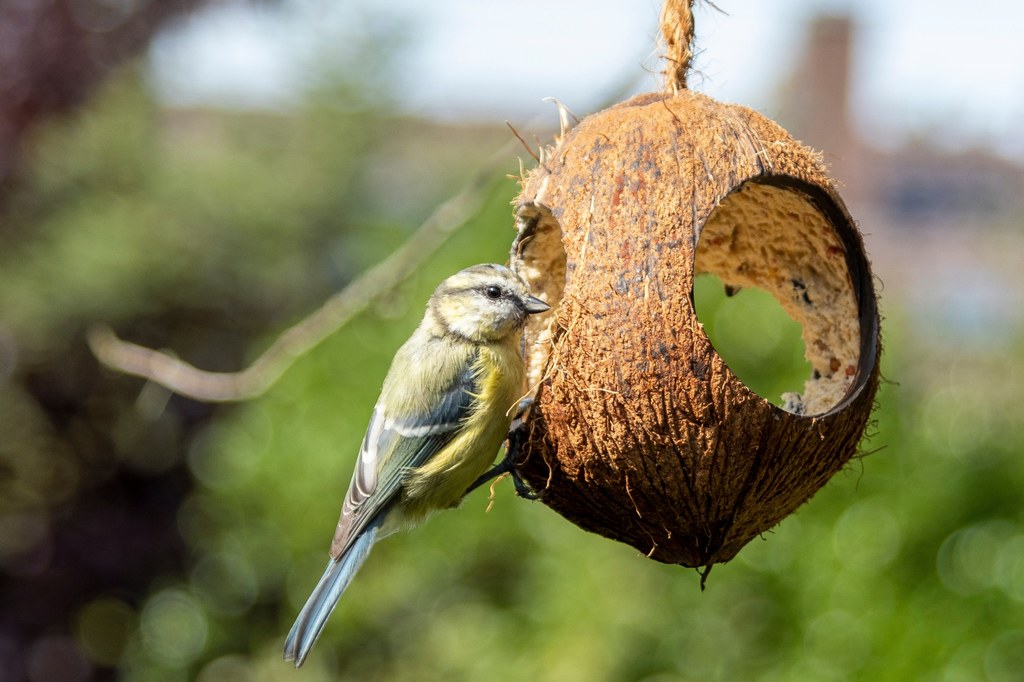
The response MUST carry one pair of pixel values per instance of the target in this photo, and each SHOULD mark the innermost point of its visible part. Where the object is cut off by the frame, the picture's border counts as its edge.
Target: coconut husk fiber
(639, 430)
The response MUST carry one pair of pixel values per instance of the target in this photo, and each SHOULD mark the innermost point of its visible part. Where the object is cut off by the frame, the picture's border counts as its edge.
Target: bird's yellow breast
(442, 481)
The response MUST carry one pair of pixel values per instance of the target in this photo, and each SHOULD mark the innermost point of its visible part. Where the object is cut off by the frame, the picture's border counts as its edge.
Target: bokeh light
(103, 629)
(174, 627)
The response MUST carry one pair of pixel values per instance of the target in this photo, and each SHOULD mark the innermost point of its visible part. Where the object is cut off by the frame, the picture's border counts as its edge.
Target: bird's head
(484, 303)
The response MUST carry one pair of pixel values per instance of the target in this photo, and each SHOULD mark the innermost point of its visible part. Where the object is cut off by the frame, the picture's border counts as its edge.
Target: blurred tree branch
(185, 379)
(54, 54)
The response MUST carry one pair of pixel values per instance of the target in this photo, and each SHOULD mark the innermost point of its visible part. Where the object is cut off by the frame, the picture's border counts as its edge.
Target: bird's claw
(517, 435)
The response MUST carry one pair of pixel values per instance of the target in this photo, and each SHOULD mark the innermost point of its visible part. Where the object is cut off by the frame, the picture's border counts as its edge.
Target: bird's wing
(395, 444)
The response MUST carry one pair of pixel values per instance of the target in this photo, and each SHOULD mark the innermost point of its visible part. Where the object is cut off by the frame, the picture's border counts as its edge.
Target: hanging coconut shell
(639, 430)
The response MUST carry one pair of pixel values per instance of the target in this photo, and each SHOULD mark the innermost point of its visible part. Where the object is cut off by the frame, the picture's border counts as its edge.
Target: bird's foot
(517, 435)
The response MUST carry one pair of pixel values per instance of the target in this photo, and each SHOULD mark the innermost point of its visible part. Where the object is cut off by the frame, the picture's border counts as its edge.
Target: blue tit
(442, 415)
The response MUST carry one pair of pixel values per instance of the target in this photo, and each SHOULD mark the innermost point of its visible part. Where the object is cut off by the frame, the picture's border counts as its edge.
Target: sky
(955, 71)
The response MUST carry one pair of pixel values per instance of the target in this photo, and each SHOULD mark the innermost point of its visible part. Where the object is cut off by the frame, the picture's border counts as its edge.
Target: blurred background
(201, 174)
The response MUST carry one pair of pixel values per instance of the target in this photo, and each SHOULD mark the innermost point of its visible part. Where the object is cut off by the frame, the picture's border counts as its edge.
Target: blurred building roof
(920, 184)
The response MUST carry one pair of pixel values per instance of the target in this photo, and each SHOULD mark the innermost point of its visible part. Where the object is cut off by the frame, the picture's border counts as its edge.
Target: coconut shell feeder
(639, 431)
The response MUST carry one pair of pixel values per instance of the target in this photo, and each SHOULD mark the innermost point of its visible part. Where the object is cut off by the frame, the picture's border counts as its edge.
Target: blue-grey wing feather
(394, 445)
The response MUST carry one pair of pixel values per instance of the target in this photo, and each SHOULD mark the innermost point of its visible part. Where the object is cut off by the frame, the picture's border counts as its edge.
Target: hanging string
(677, 31)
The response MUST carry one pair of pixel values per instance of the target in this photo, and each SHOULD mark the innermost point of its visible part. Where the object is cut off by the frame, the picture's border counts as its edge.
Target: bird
(444, 410)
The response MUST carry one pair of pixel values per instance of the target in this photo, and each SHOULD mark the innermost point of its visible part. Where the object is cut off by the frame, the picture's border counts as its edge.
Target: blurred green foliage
(207, 233)
(755, 336)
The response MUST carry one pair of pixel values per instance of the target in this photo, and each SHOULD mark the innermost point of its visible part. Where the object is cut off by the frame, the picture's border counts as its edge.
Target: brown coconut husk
(640, 431)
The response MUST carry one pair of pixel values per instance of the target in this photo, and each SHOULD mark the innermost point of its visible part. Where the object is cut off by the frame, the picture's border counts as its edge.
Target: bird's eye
(493, 292)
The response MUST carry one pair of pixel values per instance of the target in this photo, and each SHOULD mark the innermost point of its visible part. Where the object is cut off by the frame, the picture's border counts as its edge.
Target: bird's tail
(325, 596)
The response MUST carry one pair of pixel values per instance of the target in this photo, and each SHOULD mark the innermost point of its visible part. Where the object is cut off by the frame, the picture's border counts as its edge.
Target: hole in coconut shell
(768, 234)
(755, 337)
(538, 256)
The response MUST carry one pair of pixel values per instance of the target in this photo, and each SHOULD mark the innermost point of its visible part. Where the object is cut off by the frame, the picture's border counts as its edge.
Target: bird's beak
(534, 305)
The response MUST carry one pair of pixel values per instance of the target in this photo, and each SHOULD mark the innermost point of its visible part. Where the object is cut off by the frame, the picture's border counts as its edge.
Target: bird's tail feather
(325, 596)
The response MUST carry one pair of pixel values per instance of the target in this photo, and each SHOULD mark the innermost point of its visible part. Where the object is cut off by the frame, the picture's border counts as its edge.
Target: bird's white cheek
(468, 325)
